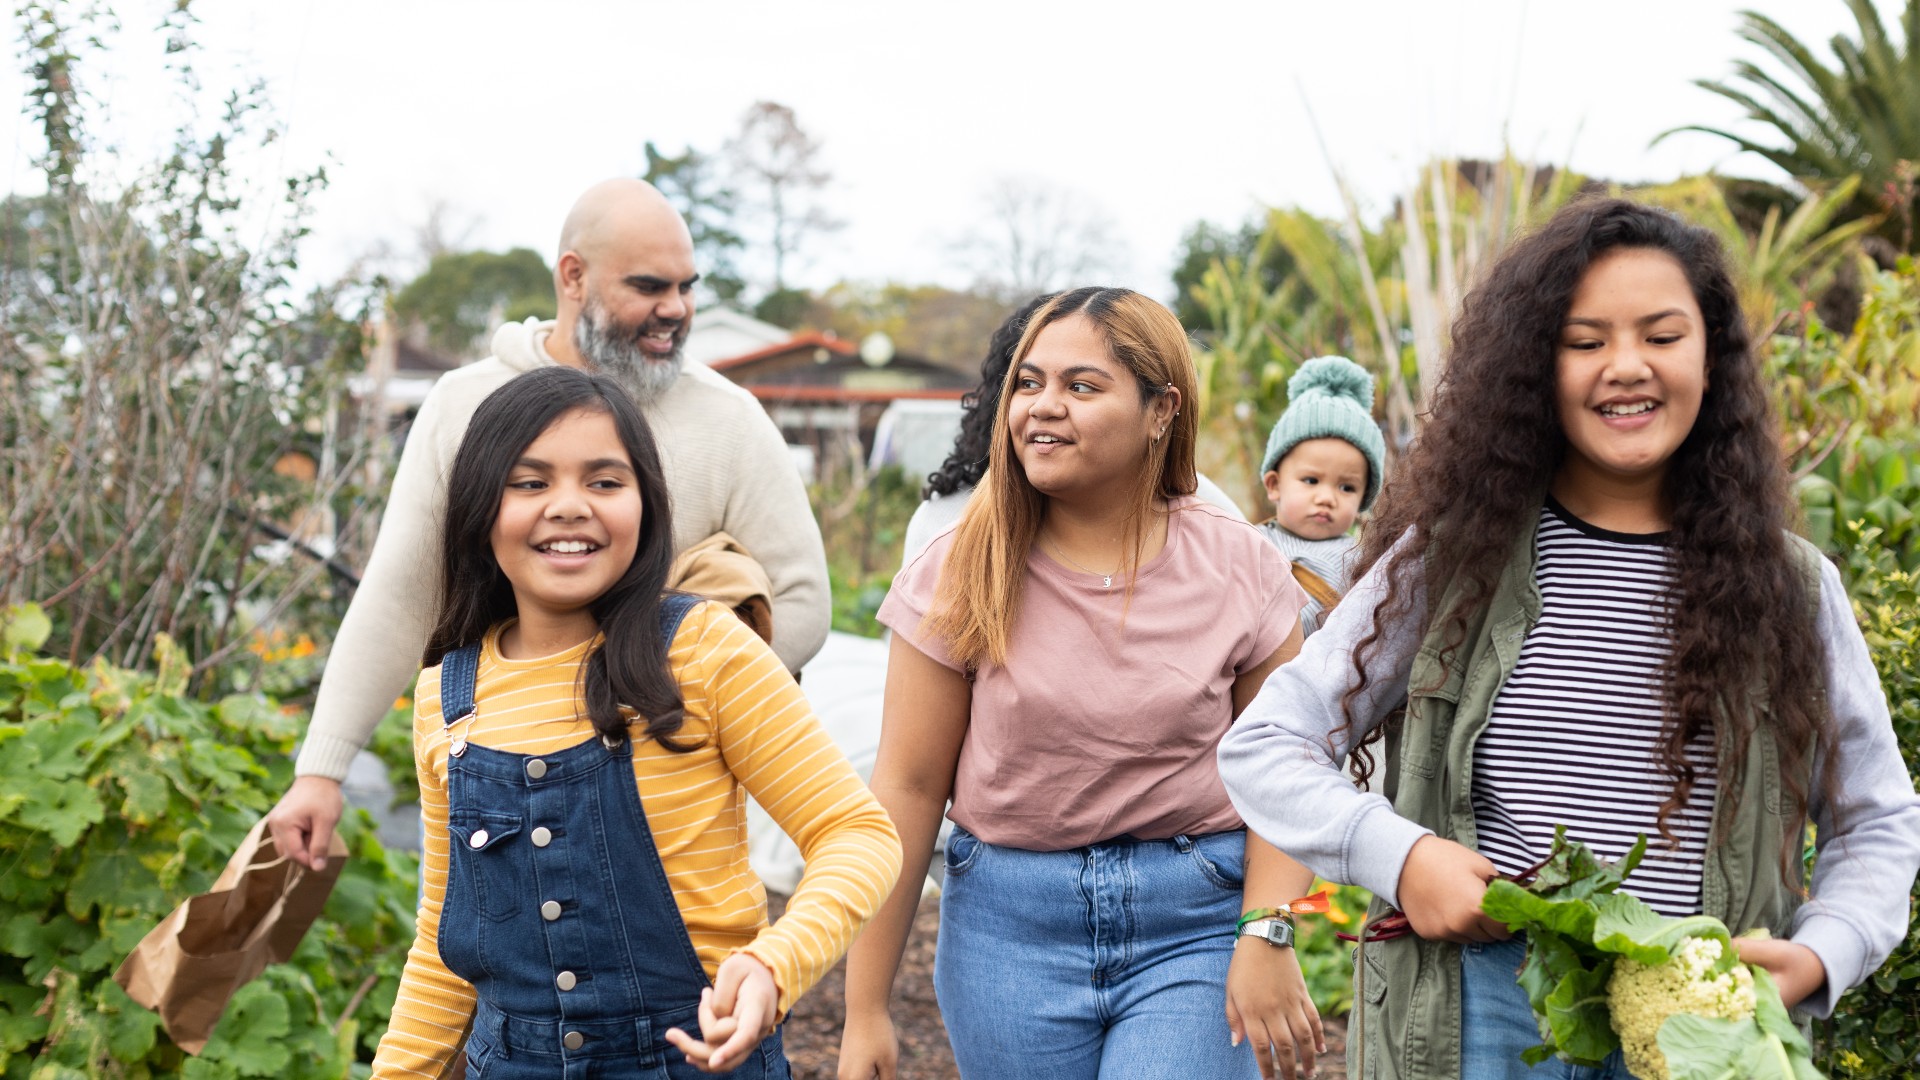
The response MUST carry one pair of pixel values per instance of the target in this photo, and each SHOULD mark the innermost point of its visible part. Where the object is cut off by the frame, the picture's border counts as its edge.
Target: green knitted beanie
(1330, 397)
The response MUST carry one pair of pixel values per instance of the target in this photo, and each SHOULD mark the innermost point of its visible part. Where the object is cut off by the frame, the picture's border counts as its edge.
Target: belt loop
(500, 1040)
(1183, 842)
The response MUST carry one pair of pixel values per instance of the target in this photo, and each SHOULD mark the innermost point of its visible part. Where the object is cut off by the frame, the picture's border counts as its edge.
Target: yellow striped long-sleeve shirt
(756, 734)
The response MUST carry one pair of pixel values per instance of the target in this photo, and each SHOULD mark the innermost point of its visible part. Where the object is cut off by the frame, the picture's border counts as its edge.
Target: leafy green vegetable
(1593, 951)
(1564, 974)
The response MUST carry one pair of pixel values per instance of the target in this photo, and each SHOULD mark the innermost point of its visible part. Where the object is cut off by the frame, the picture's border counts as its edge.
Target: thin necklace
(1106, 580)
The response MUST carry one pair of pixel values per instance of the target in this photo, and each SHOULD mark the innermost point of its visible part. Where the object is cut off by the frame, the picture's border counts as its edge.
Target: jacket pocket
(490, 860)
(1433, 693)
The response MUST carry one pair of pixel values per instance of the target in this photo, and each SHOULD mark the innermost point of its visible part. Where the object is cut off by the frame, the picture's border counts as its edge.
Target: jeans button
(478, 840)
(550, 910)
(573, 1040)
(536, 768)
(542, 836)
(565, 980)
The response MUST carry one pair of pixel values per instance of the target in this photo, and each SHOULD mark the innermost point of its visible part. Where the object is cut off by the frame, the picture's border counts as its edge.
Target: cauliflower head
(1640, 997)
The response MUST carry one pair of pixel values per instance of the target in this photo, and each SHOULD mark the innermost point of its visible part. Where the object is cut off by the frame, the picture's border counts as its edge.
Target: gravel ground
(813, 1030)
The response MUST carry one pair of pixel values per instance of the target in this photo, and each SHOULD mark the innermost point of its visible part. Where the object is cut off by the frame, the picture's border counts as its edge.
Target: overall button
(542, 836)
(550, 910)
(573, 1040)
(565, 980)
(478, 839)
(537, 769)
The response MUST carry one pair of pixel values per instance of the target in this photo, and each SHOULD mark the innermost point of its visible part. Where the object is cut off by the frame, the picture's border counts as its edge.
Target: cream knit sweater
(727, 469)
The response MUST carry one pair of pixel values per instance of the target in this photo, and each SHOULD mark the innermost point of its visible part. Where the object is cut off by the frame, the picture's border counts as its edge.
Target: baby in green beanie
(1322, 467)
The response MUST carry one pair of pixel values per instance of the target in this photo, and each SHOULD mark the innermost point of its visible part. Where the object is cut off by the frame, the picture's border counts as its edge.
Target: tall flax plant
(157, 374)
(1791, 260)
(1383, 293)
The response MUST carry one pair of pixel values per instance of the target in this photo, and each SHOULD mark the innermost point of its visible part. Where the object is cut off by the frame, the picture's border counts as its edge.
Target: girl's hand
(1441, 886)
(869, 1049)
(1796, 969)
(1267, 1003)
(736, 1014)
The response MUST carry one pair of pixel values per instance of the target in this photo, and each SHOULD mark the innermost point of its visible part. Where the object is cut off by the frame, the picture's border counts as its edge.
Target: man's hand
(1441, 886)
(302, 824)
(736, 1014)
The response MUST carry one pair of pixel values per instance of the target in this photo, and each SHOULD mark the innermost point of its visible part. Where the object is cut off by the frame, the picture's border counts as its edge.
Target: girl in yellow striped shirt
(583, 742)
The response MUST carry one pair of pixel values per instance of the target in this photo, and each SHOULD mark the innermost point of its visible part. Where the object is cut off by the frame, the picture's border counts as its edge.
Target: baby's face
(1316, 488)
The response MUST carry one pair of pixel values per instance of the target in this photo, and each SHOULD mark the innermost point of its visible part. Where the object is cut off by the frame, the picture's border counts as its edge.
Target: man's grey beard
(613, 351)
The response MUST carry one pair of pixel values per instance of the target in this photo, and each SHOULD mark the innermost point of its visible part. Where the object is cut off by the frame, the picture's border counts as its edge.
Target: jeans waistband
(1181, 841)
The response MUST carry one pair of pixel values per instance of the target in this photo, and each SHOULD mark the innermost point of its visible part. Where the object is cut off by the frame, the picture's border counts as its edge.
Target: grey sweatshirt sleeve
(377, 649)
(1276, 764)
(1868, 834)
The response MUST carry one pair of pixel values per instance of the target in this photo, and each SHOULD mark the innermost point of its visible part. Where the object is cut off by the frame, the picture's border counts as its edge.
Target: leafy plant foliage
(120, 797)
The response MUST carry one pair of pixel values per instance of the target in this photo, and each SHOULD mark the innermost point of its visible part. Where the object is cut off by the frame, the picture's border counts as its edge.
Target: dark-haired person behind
(1064, 661)
(951, 485)
(585, 742)
(1579, 591)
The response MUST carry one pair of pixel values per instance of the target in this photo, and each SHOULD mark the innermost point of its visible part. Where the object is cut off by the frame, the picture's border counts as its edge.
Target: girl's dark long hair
(1743, 641)
(628, 670)
(968, 462)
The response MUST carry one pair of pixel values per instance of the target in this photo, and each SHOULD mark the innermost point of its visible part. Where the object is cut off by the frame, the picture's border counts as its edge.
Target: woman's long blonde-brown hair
(978, 595)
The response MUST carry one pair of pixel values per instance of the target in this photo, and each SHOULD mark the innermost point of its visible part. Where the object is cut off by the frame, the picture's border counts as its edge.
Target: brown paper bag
(188, 967)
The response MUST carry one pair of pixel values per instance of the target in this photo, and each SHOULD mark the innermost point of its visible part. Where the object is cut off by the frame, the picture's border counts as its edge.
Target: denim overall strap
(559, 913)
(458, 670)
(673, 609)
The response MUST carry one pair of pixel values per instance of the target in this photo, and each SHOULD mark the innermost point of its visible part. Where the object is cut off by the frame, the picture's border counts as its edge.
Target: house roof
(821, 367)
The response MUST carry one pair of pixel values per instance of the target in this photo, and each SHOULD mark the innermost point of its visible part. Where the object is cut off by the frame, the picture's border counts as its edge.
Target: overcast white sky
(1161, 113)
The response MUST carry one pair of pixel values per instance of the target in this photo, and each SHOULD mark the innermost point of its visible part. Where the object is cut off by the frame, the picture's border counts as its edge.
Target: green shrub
(120, 796)
(1875, 1031)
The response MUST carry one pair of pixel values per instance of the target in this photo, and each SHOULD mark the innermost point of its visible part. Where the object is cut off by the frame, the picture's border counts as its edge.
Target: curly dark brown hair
(1462, 497)
(967, 462)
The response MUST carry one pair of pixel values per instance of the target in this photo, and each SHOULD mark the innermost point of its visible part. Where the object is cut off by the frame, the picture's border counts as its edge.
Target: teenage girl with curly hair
(1580, 603)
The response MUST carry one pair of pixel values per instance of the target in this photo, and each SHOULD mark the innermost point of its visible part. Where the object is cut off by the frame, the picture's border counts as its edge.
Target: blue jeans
(1497, 1025)
(1106, 962)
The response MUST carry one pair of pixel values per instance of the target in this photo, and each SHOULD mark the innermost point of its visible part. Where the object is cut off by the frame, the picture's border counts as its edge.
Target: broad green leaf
(131, 1030)
(58, 746)
(249, 1034)
(1523, 910)
(1578, 1016)
(1630, 928)
(148, 794)
(110, 876)
(25, 630)
(1770, 1013)
(63, 809)
(1708, 1048)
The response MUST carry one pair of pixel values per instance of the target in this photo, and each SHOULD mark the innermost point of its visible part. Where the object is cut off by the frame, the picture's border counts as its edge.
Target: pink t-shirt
(1094, 730)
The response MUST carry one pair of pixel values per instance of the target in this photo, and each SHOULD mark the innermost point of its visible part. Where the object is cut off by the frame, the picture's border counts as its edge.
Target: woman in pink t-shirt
(1064, 663)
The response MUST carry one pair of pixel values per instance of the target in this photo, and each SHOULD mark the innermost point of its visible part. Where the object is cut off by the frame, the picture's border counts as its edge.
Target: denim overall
(559, 912)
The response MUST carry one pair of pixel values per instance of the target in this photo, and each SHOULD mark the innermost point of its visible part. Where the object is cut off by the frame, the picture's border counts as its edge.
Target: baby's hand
(736, 1015)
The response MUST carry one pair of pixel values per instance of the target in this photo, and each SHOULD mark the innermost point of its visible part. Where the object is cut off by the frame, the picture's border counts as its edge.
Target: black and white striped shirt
(1574, 734)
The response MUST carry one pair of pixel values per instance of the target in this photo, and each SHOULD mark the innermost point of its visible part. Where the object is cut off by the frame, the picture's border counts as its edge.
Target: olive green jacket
(1407, 991)
(1278, 764)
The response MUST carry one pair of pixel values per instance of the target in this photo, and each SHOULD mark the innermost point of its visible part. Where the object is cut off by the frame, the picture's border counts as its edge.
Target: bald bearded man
(625, 288)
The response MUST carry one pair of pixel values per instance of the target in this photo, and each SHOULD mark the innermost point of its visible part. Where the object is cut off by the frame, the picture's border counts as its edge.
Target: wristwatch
(1276, 932)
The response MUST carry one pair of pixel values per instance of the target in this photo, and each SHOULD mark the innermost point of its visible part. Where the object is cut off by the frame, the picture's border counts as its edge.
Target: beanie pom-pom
(1332, 375)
